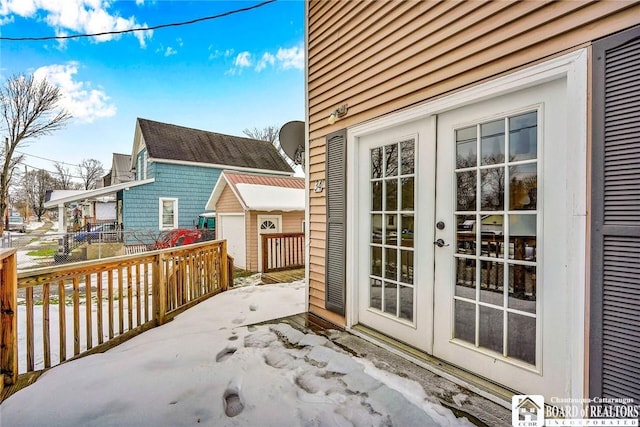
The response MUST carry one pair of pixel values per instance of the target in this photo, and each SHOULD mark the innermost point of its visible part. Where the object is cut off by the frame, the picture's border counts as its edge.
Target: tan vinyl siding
(228, 202)
(382, 56)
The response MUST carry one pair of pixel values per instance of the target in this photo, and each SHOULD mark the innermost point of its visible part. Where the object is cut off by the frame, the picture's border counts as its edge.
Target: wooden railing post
(8, 319)
(159, 290)
(224, 276)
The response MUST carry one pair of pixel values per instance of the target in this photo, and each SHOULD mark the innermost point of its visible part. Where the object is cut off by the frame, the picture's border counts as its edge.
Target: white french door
(394, 286)
(499, 293)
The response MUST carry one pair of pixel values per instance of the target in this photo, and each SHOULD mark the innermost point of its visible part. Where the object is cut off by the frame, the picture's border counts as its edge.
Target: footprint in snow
(231, 400)
(238, 320)
(253, 307)
(226, 353)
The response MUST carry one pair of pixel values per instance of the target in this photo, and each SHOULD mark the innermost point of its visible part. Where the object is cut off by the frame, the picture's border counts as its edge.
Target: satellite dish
(292, 141)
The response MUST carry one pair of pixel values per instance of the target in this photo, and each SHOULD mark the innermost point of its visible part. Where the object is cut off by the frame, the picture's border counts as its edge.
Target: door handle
(440, 243)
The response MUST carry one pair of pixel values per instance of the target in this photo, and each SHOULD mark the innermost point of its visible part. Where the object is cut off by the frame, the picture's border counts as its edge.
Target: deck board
(284, 276)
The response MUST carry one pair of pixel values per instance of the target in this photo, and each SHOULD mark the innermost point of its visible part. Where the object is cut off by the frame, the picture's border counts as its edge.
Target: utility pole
(26, 213)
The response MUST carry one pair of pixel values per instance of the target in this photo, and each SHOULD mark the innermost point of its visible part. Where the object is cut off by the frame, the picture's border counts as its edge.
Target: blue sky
(224, 75)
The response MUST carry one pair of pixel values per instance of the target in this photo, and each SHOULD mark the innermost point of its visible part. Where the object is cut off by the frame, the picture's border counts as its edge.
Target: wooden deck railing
(88, 307)
(282, 251)
(8, 319)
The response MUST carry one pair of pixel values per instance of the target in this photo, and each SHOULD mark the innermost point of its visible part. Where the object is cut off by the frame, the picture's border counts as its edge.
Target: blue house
(181, 166)
(175, 169)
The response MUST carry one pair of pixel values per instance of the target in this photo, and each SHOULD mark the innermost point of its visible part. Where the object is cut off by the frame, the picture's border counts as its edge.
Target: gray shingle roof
(172, 142)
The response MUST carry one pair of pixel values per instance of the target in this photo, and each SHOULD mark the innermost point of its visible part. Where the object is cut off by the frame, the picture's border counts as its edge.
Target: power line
(44, 158)
(131, 30)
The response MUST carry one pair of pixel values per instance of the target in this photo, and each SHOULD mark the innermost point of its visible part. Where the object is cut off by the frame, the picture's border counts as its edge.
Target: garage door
(231, 228)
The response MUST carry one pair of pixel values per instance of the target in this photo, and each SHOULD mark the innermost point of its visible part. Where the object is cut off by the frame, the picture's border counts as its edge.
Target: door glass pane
(391, 160)
(390, 298)
(376, 261)
(492, 234)
(491, 282)
(406, 267)
(492, 142)
(406, 303)
(376, 228)
(407, 231)
(376, 196)
(492, 189)
(466, 150)
(522, 287)
(375, 293)
(391, 199)
(523, 187)
(466, 278)
(466, 234)
(391, 236)
(491, 329)
(407, 156)
(407, 194)
(521, 336)
(523, 136)
(464, 321)
(376, 162)
(391, 264)
(466, 191)
(522, 237)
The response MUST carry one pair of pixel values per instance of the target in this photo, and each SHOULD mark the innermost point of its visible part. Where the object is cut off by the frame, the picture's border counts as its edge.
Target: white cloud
(243, 59)
(139, 2)
(170, 51)
(79, 98)
(291, 58)
(267, 59)
(79, 16)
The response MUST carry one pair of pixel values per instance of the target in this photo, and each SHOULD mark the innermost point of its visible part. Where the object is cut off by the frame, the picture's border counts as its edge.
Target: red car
(178, 237)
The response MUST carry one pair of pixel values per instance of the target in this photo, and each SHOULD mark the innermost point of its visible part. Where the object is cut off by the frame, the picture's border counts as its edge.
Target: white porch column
(61, 219)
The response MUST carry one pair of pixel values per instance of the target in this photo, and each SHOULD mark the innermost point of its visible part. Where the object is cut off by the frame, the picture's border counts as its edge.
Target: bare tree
(268, 133)
(63, 177)
(37, 182)
(91, 171)
(30, 109)
(271, 134)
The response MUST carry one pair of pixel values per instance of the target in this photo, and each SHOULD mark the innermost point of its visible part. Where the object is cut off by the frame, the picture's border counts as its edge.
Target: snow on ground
(210, 367)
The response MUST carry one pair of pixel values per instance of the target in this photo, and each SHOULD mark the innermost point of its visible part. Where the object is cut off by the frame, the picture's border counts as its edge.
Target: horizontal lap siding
(228, 202)
(383, 56)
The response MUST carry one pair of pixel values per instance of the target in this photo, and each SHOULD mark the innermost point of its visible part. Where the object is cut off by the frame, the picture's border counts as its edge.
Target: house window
(168, 214)
(497, 215)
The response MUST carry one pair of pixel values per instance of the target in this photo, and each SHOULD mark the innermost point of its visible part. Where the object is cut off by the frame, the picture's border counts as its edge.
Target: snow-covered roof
(60, 197)
(261, 192)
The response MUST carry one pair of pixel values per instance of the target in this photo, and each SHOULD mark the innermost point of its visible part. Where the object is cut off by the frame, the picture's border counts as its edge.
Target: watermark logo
(527, 410)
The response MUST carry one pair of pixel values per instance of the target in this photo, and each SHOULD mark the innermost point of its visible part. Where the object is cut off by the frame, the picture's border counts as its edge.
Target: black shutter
(336, 190)
(614, 360)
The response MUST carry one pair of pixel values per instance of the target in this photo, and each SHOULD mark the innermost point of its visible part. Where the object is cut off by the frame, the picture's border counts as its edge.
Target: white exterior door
(267, 224)
(500, 289)
(395, 285)
(231, 227)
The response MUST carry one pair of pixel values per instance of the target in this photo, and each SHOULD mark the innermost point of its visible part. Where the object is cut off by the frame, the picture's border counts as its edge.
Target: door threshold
(464, 378)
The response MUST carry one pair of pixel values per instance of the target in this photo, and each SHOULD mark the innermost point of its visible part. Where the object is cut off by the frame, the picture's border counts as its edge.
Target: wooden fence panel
(282, 251)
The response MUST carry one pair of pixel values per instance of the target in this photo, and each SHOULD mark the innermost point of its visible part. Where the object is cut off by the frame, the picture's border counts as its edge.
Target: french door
(498, 285)
(395, 292)
(460, 250)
